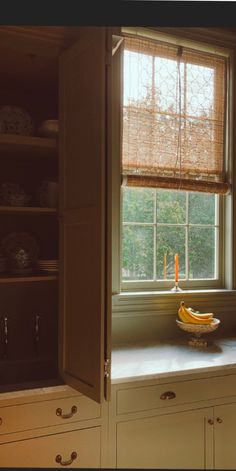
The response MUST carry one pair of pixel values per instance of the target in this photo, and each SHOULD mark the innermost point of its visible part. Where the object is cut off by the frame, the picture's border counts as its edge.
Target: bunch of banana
(193, 317)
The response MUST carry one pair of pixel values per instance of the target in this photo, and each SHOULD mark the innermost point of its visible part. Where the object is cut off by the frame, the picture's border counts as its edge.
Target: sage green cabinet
(181, 440)
(225, 436)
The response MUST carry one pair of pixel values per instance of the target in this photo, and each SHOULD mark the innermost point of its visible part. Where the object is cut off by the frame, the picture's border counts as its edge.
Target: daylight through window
(173, 161)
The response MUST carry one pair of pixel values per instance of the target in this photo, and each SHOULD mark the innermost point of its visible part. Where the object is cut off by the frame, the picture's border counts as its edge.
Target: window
(159, 223)
(174, 163)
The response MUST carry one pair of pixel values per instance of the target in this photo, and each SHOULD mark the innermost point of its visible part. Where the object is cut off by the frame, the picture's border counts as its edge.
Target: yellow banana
(187, 315)
(181, 314)
(201, 315)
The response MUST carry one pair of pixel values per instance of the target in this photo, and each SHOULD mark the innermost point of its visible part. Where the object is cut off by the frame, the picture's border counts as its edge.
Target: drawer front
(166, 395)
(46, 413)
(78, 449)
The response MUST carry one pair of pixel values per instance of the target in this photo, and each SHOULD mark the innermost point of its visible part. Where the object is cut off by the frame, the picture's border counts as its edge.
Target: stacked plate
(48, 266)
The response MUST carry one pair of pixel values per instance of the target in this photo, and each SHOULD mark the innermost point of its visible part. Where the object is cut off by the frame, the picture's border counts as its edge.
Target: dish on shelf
(49, 128)
(21, 251)
(15, 120)
(12, 194)
(48, 266)
(48, 194)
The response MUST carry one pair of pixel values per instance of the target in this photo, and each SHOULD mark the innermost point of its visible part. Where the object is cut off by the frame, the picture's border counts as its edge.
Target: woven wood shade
(173, 117)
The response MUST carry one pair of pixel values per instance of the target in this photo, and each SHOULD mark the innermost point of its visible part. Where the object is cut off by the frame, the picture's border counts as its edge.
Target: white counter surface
(173, 358)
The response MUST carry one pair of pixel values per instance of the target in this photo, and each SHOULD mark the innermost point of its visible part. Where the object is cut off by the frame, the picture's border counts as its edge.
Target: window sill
(166, 302)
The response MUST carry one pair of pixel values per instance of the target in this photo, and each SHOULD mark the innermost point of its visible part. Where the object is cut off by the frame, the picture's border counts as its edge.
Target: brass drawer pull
(168, 395)
(210, 421)
(219, 420)
(73, 457)
(66, 416)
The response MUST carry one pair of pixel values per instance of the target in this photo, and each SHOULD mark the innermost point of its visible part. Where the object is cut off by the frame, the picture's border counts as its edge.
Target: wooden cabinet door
(225, 436)
(84, 312)
(181, 441)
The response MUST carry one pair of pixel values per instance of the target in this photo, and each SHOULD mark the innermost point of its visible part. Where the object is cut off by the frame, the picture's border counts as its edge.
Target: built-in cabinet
(54, 326)
(52, 427)
(186, 424)
(224, 436)
(158, 424)
(165, 441)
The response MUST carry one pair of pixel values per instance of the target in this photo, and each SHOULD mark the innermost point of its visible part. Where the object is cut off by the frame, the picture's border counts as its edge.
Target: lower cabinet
(51, 428)
(184, 424)
(166, 441)
(77, 449)
(225, 436)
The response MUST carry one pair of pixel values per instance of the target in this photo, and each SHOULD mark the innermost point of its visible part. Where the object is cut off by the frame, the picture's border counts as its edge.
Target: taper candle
(176, 268)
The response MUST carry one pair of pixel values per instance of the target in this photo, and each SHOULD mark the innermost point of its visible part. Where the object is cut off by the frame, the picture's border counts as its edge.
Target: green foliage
(171, 234)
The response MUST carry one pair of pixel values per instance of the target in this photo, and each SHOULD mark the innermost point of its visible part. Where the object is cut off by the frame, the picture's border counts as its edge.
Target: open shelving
(27, 210)
(32, 145)
(27, 279)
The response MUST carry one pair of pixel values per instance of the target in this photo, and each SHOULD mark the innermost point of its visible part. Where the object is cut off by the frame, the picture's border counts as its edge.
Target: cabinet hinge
(107, 368)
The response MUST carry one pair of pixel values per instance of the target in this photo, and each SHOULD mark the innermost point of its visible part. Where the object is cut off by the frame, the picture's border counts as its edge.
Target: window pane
(170, 240)
(137, 253)
(201, 208)
(166, 78)
(201, 252)
(171, 207)
(137, 77)
(138, 204)
(200, 90)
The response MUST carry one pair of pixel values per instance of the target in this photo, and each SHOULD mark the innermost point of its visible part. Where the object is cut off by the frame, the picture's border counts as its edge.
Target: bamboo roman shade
(173, 117)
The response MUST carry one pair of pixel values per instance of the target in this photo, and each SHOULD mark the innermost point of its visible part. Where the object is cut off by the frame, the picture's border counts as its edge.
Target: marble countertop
(170, 358)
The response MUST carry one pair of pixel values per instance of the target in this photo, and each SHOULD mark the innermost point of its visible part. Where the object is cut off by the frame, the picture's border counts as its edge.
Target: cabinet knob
(210, 421)
(59, 412)
(59, 459)
(219, 420)
(0, 420)
(168, 395)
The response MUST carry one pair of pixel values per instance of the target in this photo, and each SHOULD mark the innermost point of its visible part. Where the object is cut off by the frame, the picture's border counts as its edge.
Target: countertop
(170, 358)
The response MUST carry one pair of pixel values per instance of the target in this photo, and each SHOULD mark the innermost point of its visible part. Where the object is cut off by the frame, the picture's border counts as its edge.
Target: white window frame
(225, 280)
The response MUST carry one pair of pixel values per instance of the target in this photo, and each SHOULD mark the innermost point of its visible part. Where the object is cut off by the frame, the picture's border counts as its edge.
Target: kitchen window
(175, 165)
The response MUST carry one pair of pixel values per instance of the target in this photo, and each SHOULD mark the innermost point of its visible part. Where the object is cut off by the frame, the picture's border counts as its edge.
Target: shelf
(28, 144)
(27, 210)
(27, 279)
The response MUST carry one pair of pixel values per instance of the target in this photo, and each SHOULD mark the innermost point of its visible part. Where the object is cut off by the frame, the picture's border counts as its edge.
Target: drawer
(77, 449)
(166, 395)
(43, 414)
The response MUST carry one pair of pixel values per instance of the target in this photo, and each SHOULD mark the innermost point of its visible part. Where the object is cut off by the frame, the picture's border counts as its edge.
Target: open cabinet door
(84, 314)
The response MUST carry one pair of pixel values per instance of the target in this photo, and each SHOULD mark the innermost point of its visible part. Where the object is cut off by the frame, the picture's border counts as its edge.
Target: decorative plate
(12, 194)
(14, 120)
(21, 251)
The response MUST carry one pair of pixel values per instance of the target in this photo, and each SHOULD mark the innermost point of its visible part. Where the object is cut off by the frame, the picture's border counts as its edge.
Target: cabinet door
(83, 210)
(225, 436)
(181, 440)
